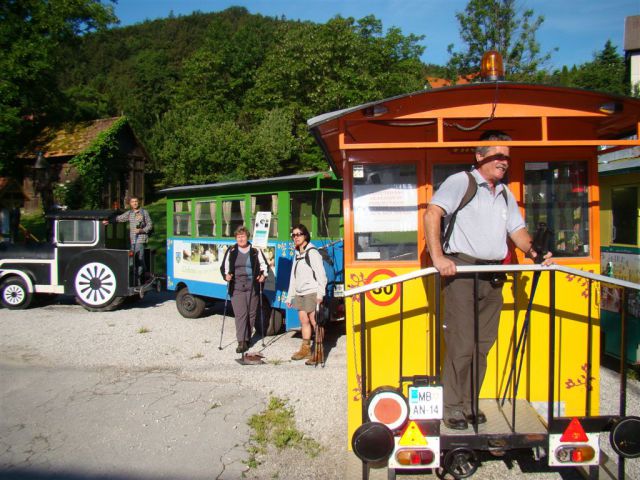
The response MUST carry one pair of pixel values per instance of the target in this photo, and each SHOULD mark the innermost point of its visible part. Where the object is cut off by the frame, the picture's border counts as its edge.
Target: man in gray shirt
(479, 237)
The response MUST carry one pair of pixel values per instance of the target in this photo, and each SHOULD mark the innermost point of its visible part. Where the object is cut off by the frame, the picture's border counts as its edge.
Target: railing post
(400, 286)
(624, 304)
(475, 391)
(363, 360)
(589, 350)
(438, 323)
(552, 344)
(513, 351)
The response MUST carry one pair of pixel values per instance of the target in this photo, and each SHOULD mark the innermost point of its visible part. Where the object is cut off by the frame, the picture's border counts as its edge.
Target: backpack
(472, 188)
(323, 253)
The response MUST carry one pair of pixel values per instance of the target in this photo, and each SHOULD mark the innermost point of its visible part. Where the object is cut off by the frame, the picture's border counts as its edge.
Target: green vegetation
(276, 426)
(158, 212)
(143, 330)
(226, 95)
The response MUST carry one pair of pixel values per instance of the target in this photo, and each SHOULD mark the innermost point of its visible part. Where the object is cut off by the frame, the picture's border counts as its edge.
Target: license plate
(425, 403)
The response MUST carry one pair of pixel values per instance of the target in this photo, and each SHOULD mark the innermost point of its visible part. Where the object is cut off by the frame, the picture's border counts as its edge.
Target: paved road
(141, 393)
(120, 424)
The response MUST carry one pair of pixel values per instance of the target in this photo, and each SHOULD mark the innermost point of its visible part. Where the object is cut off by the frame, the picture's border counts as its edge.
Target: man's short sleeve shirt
(482, 226)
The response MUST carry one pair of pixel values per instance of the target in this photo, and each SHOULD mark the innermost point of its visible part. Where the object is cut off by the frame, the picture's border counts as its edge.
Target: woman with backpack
(244, 268)
(307, 286)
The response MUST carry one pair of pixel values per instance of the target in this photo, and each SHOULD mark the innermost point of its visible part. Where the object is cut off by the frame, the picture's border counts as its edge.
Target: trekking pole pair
(541, 244)
(224, 316)
(318, 355)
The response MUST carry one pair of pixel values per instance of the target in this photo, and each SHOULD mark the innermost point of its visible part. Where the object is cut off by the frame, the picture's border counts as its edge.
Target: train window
(329, 210)
(266, 203)
(76, 231)
(624, 207)
(556, 194)
(206, 219)
(232, 216)
(182, 217)
(385, 211)
(444, 170)
(302, 210)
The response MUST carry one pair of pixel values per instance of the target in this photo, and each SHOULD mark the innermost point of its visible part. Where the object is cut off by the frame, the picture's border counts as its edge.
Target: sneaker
(455, 419)
(482, 418)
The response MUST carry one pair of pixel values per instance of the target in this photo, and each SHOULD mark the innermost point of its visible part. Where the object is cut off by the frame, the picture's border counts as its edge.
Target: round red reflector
(386, 405)
(387, 410)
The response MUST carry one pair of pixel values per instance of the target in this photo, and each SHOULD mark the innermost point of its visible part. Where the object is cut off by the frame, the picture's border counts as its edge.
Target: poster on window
(385, 208)
(197, 261)
(623, 266)
(261, 229)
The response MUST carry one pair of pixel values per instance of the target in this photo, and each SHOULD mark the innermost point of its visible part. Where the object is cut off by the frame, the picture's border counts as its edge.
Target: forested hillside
(226, 95)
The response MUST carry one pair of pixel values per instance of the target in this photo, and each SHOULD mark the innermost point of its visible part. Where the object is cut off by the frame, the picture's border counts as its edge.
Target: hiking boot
(304, 352)
(456, 420)
(317, 358)
(242, 347)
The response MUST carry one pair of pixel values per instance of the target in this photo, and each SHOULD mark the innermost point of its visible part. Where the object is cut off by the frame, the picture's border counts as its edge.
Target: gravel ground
(151, 335)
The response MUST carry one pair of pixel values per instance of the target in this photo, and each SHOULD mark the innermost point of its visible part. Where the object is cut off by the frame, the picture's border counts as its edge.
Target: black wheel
(272, 318)
(188, 304)
(14, 294)
(95, 286)
(461, 462)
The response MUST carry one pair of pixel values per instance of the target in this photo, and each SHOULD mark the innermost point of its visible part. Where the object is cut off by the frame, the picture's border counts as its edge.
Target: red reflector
(387, 411)
(574, 432)
(131, 253)
(421, 456)
(575, 454)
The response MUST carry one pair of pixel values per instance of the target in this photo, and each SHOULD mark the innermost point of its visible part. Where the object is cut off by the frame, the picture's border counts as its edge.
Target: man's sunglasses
(497, 156)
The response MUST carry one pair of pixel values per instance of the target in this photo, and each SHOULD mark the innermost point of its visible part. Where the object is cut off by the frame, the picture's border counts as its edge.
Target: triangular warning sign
(412, 436)
(574, 432)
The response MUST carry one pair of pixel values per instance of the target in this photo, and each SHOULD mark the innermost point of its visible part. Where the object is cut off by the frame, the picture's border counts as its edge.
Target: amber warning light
(491, 68)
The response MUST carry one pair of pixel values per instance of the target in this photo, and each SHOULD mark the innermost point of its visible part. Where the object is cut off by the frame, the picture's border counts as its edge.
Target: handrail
(425, 272)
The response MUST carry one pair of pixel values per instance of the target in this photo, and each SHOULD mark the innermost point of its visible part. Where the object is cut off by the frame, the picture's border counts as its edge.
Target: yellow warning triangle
(412, 436)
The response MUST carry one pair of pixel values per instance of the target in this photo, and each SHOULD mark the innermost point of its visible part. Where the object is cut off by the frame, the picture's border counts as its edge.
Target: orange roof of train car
(534, 115)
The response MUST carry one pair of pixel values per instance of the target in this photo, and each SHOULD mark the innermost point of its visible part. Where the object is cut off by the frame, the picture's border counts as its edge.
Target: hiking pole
(264, 332)
(319, 338)
(541, 242)
(315, 336)
(224, 315)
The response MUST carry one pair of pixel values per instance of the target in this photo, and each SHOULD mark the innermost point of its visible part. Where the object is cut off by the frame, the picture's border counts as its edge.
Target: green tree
(498, 25)
(606, 73)
(32, 33)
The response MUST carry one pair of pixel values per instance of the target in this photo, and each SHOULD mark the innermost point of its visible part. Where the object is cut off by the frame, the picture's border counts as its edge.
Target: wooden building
(61, 145)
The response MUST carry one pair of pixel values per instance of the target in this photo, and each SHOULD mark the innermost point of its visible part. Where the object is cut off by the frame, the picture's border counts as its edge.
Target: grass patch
(143, 330)
(197, 355)
(276, 426)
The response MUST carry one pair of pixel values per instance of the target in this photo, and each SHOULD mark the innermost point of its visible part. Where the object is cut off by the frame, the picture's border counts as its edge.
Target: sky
(578, 29)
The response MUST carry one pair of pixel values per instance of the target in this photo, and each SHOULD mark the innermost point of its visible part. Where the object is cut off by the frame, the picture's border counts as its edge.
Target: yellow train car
(392, 155)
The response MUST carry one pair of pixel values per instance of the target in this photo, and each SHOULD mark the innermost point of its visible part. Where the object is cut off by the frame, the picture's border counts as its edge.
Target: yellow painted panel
(384, 332)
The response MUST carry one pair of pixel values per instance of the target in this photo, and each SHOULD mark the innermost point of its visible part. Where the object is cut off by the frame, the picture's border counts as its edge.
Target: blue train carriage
(202, 219)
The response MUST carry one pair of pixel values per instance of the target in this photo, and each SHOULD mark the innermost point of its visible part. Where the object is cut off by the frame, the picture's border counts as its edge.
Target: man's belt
(474, 261)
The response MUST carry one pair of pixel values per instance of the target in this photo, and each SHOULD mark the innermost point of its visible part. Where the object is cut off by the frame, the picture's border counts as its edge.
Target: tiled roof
(437, 82)
(69, 140)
